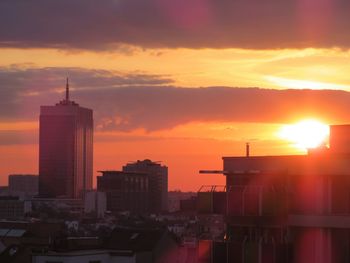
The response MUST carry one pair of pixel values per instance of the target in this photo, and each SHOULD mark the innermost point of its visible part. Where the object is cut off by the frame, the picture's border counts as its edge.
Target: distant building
(286, 208)
(4, 191)
(175, 198)
(125, 191)
(95, 202)
(65, 149)
(189, 205)
(25, 184)
(13, 208)
(158, 182)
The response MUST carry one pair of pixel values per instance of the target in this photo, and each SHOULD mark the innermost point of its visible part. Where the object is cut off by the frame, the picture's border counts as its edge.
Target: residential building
(23, 184)
(125, 191)
(65, 149)
(158, 182)
(287, 208)
(11, 207)
(95, 202)
(176, 197)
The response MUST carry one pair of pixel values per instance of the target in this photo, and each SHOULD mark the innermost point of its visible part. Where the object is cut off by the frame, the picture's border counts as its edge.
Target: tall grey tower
(65, 149)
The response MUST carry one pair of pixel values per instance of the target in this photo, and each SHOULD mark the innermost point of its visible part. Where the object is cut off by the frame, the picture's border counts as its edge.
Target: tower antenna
(67, 90)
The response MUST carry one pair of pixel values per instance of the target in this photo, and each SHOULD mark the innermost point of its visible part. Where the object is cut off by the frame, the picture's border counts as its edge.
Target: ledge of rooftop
(122, 172)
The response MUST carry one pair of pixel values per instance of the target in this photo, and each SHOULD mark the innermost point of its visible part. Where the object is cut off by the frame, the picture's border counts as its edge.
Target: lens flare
(306, 134)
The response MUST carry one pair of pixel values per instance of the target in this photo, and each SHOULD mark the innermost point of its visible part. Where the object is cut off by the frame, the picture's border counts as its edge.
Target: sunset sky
(182, 82)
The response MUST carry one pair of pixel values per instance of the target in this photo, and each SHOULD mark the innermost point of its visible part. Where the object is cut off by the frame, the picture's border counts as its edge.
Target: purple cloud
(256, 24)
(125, 102)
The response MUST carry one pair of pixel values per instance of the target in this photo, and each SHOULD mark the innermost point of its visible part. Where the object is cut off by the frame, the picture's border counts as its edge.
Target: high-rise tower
(65, 149)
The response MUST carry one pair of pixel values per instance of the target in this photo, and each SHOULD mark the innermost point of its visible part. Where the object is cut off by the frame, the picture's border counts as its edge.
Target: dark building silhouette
(158, 182)
(65, 149)
(128, 245)
(23, 183)
(11, 207)
(125, 191)
(287, 208)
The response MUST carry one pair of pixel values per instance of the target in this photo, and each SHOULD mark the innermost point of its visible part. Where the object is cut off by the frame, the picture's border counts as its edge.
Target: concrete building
(158, 182)
(23, 184)
(65, 149)
(95, 202)
(288, 208)
(125, 191)
(13, 208)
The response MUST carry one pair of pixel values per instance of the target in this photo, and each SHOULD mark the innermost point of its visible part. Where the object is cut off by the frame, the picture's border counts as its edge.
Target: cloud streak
(100, 25)
(125, 102)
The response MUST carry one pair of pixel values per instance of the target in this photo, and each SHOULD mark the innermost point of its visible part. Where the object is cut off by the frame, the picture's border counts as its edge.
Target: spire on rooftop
(66, 100)
(67, 90)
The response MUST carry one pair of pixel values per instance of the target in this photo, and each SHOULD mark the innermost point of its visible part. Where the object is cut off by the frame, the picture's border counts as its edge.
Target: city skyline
(183, 83)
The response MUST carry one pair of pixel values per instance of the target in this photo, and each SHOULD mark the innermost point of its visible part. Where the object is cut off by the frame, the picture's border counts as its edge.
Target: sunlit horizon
(153, 72)
(305, 134)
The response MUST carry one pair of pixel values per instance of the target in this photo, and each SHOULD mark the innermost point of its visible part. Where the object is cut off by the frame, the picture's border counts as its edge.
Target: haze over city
(173, 81)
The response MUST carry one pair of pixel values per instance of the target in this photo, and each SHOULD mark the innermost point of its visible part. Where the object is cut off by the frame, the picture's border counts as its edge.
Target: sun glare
(306, 134)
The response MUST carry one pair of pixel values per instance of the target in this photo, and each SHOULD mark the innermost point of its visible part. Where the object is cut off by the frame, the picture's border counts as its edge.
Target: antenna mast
(67, 91)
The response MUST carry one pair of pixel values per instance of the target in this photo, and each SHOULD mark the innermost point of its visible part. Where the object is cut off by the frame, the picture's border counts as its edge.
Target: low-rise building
(23, 185)
(12, 207)
(95, 202)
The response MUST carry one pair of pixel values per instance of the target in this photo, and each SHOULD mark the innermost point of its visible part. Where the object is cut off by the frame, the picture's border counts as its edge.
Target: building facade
(13, 208)
(287, 208)
(23, 183)
(95, 202)
(125, 191)
(158, 182)
(65, 149)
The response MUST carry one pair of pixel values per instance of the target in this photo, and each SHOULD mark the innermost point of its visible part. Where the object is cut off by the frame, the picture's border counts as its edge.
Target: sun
(306, 134)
